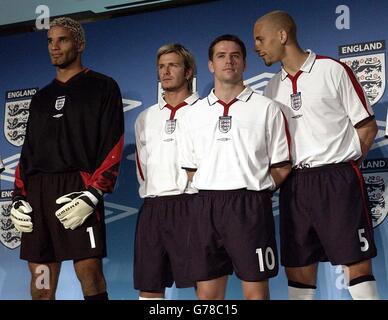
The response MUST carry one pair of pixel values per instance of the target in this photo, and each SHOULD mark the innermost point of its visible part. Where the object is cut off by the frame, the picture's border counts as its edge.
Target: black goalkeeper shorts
(50, 241)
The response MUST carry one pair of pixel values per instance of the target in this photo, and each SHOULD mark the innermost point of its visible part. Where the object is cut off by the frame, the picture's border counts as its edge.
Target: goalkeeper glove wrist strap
(96, 193)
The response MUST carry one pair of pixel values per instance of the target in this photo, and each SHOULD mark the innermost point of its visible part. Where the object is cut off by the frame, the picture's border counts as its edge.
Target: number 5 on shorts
(363, 240)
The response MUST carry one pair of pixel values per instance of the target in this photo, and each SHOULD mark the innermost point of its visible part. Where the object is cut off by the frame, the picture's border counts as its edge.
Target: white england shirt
(323, 104)
(233, 145)
(157, 156)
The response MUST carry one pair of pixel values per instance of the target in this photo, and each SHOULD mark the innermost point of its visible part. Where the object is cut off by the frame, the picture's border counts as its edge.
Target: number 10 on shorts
(266, 260)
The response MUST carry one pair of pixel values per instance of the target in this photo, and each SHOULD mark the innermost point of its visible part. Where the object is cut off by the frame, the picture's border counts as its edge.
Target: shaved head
(279, 20)
(275, 40)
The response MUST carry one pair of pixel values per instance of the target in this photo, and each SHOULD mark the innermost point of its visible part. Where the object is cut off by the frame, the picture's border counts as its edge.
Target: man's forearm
(279, 174)
(366, 134)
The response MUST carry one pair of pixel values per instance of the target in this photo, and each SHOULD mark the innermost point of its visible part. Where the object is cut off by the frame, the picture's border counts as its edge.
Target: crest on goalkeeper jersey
(60, 102)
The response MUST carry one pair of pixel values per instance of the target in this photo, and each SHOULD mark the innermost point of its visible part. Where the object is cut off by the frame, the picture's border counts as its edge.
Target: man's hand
(19, 216)
(78, 206)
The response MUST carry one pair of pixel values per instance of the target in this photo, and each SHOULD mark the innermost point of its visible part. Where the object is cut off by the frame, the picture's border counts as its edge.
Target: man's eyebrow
(60, 37)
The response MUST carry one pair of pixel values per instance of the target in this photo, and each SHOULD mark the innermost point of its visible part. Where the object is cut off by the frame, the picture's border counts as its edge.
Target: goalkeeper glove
(78, 206)
(19, 216)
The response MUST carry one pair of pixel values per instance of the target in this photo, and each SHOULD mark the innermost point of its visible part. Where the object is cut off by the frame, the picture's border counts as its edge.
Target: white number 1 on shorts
(91, 237)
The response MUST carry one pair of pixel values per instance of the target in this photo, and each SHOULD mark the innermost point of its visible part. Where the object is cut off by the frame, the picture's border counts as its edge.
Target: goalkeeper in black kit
(70, 158)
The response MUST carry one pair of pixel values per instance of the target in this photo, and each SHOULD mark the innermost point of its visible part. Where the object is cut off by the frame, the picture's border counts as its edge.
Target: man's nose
(54, 45)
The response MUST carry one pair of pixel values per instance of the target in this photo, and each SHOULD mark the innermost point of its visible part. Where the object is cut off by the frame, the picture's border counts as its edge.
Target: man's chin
(60, 65)
(169, 89)
(233, 81)
(56, 63)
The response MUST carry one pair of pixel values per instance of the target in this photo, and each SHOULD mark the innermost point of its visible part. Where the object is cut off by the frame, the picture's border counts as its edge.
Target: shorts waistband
(322, 168)
(234, 191)
(184, 196)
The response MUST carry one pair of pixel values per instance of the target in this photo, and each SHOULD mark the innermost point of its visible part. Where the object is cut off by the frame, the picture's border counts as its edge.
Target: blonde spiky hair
(75, 28)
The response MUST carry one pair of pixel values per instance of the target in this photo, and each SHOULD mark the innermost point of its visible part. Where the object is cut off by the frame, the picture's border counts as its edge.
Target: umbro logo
(114, 211)
(130, 104)
(10, 165)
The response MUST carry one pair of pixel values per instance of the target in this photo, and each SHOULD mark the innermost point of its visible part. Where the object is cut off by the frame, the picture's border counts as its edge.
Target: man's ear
(210, 66)
(81, 47)
(188, 73)
(283, 36)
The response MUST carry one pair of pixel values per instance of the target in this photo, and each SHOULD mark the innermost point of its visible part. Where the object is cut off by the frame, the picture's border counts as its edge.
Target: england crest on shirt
(225, 123)
(296, 101)
(170, 126)
(60, 102)
(369, 68)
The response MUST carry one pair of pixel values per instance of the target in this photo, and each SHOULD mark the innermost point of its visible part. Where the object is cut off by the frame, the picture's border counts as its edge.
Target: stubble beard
(65, 63)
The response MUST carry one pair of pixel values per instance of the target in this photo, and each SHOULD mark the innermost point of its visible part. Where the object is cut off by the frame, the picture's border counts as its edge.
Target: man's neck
(227, 91)
(173, 98)
(294, 60)
(64, 74)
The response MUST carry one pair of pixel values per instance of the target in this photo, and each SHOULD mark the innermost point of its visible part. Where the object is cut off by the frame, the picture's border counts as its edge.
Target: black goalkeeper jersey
(74, 126)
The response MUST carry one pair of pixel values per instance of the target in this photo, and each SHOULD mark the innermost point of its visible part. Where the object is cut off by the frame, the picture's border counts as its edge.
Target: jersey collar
(243, 96)
(74, 77)
(307, 65)
(189, 100)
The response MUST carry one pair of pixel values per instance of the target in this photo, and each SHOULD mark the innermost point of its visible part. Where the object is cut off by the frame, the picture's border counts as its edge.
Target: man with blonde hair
(161, 251)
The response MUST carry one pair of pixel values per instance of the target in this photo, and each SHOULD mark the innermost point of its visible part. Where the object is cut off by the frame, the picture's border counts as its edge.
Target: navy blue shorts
(50, 241)
(161, 244)
(325, 216)
(233, 231)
